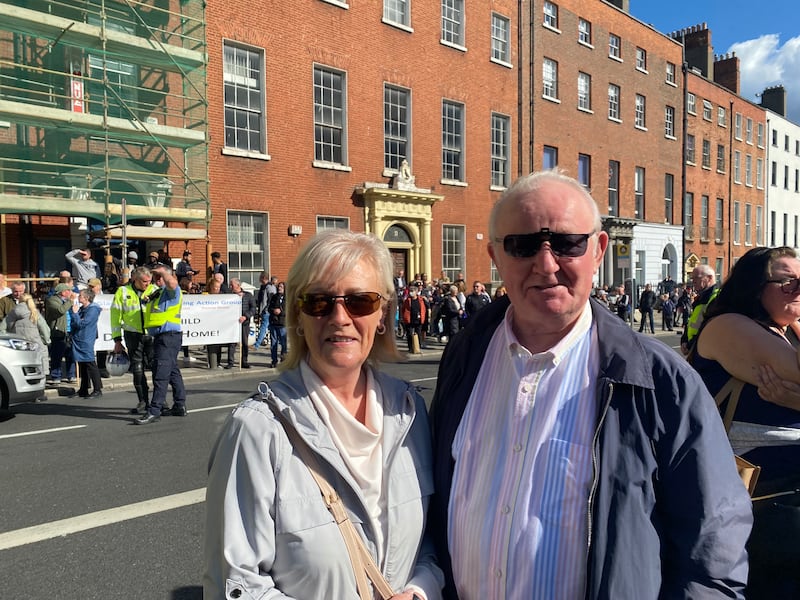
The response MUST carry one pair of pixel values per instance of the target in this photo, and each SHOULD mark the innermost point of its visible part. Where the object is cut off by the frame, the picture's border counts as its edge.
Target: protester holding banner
(268, 531)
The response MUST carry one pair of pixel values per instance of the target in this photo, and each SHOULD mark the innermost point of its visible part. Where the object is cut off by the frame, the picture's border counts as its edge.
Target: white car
(21, 376)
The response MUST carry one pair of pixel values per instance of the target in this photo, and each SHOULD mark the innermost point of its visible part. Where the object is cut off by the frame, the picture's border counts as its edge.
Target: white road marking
(64, 527)
(13, 435)
(197, 410)
(423, 379)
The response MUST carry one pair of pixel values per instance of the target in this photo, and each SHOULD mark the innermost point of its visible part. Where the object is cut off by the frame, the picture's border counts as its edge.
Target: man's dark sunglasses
(358, 305)
(788, 286)
(525, 245)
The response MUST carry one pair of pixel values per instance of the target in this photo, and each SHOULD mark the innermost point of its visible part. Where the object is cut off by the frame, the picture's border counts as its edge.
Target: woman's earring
(300, 331)
(381, 329)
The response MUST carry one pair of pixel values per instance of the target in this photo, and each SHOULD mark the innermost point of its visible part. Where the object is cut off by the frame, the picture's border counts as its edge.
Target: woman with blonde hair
(25, 320)
(269, 532)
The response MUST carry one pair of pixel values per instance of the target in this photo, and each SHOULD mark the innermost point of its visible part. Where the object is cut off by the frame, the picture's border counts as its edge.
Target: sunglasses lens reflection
(570, 245)
(358, 305)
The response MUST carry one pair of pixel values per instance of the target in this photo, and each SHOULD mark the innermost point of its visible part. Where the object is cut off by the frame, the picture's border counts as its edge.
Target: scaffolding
(103, 115)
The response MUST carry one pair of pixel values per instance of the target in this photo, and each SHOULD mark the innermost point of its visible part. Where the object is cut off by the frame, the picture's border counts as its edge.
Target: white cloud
(763, 62)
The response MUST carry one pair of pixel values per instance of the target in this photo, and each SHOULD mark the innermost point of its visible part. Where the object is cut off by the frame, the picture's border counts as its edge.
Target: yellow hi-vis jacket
(127, 310)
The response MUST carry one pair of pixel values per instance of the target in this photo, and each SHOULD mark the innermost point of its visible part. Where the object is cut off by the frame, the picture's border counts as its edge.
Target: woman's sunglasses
(358, 305)
(525, 245)
(788, 286)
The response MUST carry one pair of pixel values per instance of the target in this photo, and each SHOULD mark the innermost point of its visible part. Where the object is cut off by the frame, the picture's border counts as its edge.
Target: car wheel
(4, 395)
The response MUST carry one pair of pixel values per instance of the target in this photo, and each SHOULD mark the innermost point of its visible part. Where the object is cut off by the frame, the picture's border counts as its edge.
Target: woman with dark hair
(747, 335)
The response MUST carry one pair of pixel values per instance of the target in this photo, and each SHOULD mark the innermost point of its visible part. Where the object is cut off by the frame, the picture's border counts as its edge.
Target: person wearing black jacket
(277, 323)
(248, 312)
(647, 302)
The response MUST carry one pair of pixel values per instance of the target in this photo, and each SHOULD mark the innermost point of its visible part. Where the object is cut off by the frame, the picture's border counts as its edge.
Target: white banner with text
(205, 319)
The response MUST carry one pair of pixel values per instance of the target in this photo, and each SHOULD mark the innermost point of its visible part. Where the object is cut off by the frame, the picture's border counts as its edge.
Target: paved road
(92, 506)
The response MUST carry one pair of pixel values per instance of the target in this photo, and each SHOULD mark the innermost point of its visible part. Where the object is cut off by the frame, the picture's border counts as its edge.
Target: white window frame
(706, 158)
(239, 80)
(247, 233)
(640, 112)
(396, 127)
(690, 149)
(691, 103)
(584, 32)
(615, 47)
(397, 12)
(550, 15)
(549, 79)
(748, 130)
(641, 59)
(722, 117)
(708, 110)
(584, 91)
(453, 250)
(326, 222)
(501, 151)
(670, 76)
(614, 97)
(737, 126)
(330, 117)
(759, 173)
(453, 23)
(720, 158)
(453, 122)
(748, 170)
(737, 166)
(501, 30)
(669, 122)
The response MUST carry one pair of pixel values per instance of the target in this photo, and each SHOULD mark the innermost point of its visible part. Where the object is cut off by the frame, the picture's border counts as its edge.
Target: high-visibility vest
(697, 316)
(158, 312)
(127, 310)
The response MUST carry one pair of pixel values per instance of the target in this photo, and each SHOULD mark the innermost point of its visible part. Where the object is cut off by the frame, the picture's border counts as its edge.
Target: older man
(704, 280)
(57, 315)
(248, 312)
(574, 458)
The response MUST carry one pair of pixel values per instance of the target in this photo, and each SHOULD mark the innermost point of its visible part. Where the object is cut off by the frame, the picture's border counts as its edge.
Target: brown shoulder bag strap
(363, 564)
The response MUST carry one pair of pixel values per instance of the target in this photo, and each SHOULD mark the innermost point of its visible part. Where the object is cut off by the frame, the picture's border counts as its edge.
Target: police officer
(162, 320)
(127, 319)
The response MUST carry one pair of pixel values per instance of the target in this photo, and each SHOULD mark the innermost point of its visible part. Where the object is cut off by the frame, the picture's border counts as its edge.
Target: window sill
(498, 188)
(502, 63)
(551, 99)
(616, 58)
(454, 182)
(644, 71)
(344, 5)
(452, 45)
(640, 128)
(588, 111)
(244, 153)
(615, 120)
(670, 137)
(586, 45)
(400, 26)
(551, 28)
(321, 164)
(671, 83)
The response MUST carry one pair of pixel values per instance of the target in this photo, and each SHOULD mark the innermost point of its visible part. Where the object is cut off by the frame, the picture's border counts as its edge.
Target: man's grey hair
(531, 183)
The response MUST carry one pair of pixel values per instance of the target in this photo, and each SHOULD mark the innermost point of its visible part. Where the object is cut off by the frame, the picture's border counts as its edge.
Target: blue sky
(765, 36)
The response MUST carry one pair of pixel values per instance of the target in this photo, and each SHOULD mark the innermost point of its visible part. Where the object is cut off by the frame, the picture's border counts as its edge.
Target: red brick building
(604, 100)
(723, 205)
(313, 107)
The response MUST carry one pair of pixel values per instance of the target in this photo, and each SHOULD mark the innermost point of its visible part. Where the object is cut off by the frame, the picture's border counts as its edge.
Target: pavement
(196, 369)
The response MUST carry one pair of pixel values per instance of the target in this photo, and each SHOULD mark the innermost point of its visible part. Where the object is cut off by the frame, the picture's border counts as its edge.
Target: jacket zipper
(595, 477)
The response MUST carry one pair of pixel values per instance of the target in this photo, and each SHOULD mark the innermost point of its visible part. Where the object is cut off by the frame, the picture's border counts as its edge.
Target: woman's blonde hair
(335, 252)
(29, 302)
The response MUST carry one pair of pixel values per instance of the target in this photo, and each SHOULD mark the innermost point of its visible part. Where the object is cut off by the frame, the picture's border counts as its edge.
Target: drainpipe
(730, 189)
(520, 87)
(531, 82)
(685, 125)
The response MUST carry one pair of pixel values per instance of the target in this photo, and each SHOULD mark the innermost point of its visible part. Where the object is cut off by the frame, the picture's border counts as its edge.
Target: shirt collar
(562, 347)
